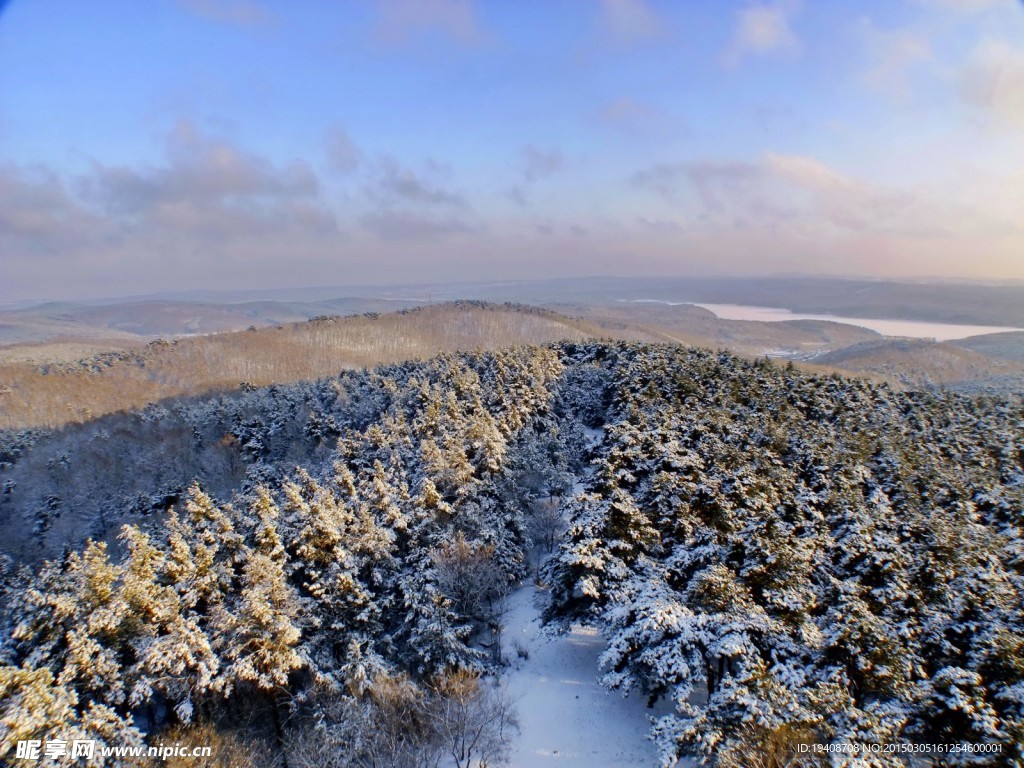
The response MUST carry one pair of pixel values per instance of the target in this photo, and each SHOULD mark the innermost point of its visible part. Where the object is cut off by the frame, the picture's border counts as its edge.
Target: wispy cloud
(663, 178)
(794, 211)
(342, 153)
(845, 202)
(533, 166)
(803, 194)
(389, 224)
(993, 82)
(968, 6)
(208, 209)
(404, 21)
(238, 13)
(635, 117)
(761, 30)
(890, 55)
(708, 178)
(208, 193)
(38, 212)
(200, 171)
(626, 111)
(538, 164)
(392, 182)
(628, 23)
(517, 195)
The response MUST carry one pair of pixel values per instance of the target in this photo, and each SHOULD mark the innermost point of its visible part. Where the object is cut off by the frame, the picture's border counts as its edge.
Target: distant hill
(75, 379)
(917, 362)
(967, 303)
(686, 323)
(1005, 345)
(52, 394)
(142, 318)
(142, 321)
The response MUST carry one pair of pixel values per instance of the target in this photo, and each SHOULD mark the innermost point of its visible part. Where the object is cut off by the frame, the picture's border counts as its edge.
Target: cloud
(39, 215)
(657, 225)
(716, 181)
(762, 30)
(968, 6)
(842, 201)
(633, 117)
(239, 13)
(790, 211)
(799, 193)
(516, 194)
(391, 183)
(209, 207)
(200, 171)
(534, 165)
(31, 203)
(890, 54)
(993, 82)
(710, 179)
(132, 230)
(389, 224)
(662, 178)
(410, 205)
(551, 228)
(403, 21)
(738, 194)
(342, 153)
(626, 111)
(628, 23)
(538, 164)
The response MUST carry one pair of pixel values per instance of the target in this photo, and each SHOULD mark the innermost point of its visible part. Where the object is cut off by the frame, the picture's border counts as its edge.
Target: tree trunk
(275, 709)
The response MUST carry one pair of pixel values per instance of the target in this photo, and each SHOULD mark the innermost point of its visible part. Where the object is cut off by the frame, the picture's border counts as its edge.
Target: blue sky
(176, 144)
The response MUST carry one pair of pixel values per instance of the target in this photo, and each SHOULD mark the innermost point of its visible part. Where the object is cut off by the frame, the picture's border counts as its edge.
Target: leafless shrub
(399, 724)
(468, 575)
(757, 747)
(474, 719)
(390, 727)
(546, 523)
(228, 749)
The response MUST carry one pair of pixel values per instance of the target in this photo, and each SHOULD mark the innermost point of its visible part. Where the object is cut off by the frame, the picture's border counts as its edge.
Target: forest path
(567, 719)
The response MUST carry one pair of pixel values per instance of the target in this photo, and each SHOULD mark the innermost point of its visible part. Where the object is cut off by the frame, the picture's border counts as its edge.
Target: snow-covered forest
(804, 559)
(320, 571)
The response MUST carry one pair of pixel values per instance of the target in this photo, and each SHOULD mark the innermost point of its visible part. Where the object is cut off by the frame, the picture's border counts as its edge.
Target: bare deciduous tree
(474, 718)
(546, 523)
(399, 724)
(468, 576)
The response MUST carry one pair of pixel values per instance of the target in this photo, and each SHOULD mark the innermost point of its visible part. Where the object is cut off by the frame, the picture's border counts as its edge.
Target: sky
(182, 144)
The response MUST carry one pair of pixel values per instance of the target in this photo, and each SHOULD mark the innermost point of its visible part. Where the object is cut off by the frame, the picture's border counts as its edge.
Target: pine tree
(33, 706)
(258, 635)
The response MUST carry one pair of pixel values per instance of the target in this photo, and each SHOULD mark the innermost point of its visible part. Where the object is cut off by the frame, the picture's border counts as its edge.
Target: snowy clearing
(567, 718)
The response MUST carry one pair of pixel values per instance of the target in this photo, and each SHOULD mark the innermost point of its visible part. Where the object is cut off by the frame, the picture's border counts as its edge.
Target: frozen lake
(912, 328)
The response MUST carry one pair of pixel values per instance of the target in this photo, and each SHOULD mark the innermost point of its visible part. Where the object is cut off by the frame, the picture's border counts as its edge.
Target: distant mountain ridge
(52, 394)
(210, 311)
(80, 380)
(916, 361)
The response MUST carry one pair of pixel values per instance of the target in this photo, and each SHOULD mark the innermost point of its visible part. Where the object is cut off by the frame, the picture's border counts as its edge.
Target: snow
(567, 719)
(917, 329)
